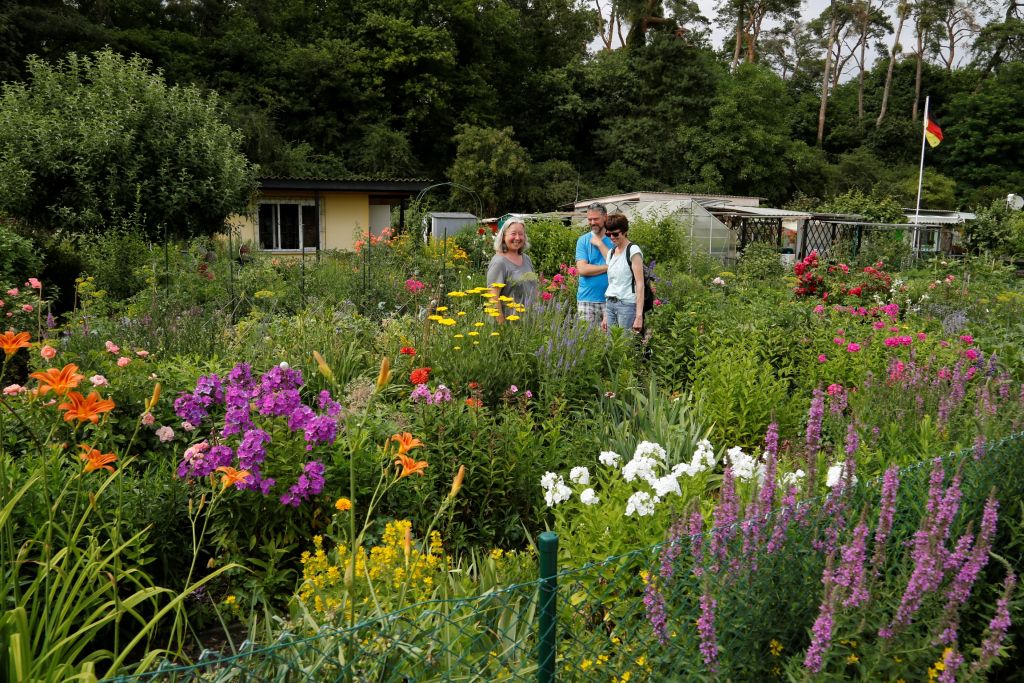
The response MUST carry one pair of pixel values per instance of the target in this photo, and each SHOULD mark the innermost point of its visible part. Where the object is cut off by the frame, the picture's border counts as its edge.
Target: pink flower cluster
(904, 340)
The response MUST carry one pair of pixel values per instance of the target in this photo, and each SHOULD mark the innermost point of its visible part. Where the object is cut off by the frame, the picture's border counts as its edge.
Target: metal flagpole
(920, 178)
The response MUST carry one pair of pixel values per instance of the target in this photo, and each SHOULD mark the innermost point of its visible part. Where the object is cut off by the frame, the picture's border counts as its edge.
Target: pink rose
(165, 434)
(123, 361)
(27, 308)
(148, 419)
(13, 291)
(34, 283)
(48, 352)
(99, 381)
(13, 389)
(142, 353)
(112, 347)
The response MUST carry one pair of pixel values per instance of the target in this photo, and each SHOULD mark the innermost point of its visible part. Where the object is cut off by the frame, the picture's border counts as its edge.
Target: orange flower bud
(154, 398)
(322, 365)
(384, 376)
(457, 482)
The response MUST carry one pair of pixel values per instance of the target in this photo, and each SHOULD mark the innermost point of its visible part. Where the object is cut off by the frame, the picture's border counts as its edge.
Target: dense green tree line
(506, 97)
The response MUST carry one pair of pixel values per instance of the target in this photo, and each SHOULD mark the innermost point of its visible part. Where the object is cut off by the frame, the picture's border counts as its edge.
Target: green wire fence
(595, 622)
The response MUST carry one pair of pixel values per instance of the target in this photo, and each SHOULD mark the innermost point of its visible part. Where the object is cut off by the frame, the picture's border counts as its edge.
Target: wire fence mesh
(628, 617)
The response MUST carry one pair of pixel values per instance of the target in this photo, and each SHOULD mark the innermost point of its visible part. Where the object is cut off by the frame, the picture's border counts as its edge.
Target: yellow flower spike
(323, 367)
(384, 376)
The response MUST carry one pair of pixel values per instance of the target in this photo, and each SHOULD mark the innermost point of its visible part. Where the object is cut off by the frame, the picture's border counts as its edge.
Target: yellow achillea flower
(774, 647)
(441, 309)
(459, 336)
(478, 324)
(512, 317)
(494, 334)
(474, 334)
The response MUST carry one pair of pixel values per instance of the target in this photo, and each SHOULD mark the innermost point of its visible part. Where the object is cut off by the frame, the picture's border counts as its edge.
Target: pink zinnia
(853, 347)
(546, 296)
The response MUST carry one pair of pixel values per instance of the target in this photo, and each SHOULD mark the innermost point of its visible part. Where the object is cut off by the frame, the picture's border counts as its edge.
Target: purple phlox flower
(278, 403)
(236, 417)
(706, 630)
(241, 378)
(191, 408)
(886, 515)
(725, 517)
(210, 385)
(320, 429)
(280, 379)
(252, 450)
(328, 405)
(997, 628)
(300, 417)
(194, 458)
(310, 483)
(441, 395)
(421, 394)
(256, 482)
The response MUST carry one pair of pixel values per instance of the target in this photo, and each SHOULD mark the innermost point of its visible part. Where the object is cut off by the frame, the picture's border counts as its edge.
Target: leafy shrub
(552, 244)
(18, 257)
(760, 262)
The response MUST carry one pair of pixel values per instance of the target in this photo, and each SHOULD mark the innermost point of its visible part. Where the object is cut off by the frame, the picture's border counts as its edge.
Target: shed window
(289, 225)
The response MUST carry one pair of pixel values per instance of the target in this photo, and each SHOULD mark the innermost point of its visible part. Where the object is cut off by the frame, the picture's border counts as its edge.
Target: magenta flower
(853, 347)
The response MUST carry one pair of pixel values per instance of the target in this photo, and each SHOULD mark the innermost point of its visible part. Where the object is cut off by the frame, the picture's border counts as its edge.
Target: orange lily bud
(154, 398)
(457, 482)
(322, 365)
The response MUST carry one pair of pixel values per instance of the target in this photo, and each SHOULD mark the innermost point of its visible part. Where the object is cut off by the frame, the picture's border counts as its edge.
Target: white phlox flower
(589, 497)
(640, 467)
(579, 475)
(790, 478)
(558, 493)
(609, 458)
(835, 475)
(744, 467)
(549, 480)
(666, 485)
(641, 504)
(649, 448)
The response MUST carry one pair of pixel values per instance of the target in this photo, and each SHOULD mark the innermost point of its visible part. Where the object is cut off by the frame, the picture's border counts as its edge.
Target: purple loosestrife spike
(850, 573)
(852, 441)
(821, 632)
(951, 661)
(671, 551)
(706, 630)
(696, 532)
(814, 418)
(724, 518)
(654, 604)
(968, 563)
(979, 447)
(771, 439)
(997, 628)
(782, 521)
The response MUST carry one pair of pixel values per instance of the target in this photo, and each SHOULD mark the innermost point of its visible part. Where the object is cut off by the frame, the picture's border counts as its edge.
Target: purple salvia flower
(997, 628)
(706, 630)
(696, 532)
(821, 632)
(725, 517)
(852, 441)
(850, 573)
(886, 515)
(952, 661)
(782, 520)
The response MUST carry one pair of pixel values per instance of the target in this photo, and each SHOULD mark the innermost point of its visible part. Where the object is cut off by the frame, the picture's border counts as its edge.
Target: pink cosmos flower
(48, 352)
(13, 389)
(123, 361)
(853, 347)
(34, 283)
(99, 381)
(165, 434)
(112, 347)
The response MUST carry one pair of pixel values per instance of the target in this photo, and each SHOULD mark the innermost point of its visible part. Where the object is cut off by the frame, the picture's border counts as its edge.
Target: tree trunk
(739, 39)
(825, 75)
(903, 11)
(863, 69)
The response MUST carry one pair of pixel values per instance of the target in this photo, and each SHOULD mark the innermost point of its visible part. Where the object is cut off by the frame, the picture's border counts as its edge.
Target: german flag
(932, 132)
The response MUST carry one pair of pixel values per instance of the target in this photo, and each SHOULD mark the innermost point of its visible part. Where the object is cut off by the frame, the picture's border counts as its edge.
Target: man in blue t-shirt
(592, 268)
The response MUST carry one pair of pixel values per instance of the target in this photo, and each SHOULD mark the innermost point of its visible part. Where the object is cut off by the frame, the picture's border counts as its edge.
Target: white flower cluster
(703, 460)
(641, 503)
(744, 467)
(579, 475)
(589, 497)
(555, 490)
(649, 448)
(790, 478)
(609, 458)
(836, 473)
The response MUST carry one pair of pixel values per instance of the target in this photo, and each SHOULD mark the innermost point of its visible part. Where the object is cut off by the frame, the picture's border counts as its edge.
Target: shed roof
(348, 184)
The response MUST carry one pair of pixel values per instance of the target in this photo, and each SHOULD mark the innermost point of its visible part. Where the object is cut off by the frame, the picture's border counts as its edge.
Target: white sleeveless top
(620, 274)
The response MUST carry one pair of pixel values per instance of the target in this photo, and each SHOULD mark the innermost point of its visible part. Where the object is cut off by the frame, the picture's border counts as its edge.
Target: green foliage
(551, 245)
(18, 257)
(996, 230)
(760, 262)
(874, 208)
(157, 157)
(490, 162)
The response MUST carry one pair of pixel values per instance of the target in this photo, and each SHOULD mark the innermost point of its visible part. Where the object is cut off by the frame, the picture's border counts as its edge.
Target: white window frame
(276, 204)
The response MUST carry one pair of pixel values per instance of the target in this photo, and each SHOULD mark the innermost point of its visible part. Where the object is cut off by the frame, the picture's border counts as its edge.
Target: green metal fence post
(547, 545)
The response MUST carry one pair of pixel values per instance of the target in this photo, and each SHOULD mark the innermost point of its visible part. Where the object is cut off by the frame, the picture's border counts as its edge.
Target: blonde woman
(511, 267)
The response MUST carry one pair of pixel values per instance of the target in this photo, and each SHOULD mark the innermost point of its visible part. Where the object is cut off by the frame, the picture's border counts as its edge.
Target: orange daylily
(60, 381)
(94, 460)
(11, 341)
(410, 465)
(84, 408)
(232, 476)
(406, 442)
